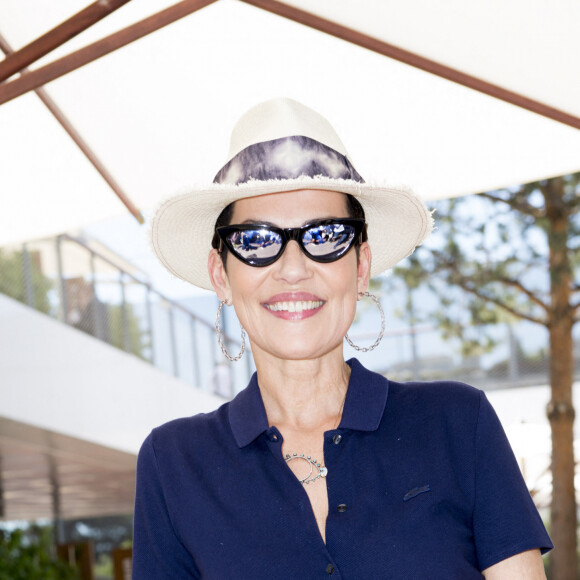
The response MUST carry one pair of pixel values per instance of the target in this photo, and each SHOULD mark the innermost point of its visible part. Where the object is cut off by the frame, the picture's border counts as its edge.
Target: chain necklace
(322, 471)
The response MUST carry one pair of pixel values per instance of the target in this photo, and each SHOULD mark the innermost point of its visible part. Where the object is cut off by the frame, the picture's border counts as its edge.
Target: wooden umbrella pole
(415, 60)
(36, 78)
(19, 59)
(81, 143)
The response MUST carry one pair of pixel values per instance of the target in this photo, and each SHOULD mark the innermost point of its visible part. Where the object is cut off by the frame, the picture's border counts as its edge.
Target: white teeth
(291, 306)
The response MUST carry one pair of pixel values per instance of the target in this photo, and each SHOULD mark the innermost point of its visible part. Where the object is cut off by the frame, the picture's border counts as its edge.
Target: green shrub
(26, 555)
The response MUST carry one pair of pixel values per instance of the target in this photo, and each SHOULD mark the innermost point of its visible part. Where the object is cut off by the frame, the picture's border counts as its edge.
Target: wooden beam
(20, 59)
(36, 78)
(415, 60)
(81, 143)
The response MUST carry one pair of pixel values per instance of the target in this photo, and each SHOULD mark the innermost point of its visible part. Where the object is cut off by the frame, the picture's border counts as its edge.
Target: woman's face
(295, 308)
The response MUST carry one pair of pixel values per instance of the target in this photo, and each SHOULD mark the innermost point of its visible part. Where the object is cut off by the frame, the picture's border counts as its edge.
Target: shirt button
(337, 439)
(330, 569)
(341, 507)
(274, 437)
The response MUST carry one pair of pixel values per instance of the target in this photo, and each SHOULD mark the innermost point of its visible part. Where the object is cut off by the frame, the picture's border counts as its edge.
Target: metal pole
(97, 322)
(173, 342)
(124, 316)
(27, 276)
(248, 369)
(61, 282)
(196, 369)
(150, 323)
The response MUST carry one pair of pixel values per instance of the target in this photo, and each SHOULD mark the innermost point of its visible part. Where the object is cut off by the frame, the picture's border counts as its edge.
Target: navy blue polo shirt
(422, 484)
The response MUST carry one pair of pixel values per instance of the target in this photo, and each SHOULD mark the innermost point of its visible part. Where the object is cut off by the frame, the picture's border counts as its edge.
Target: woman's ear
(364, 267)
(218, 276)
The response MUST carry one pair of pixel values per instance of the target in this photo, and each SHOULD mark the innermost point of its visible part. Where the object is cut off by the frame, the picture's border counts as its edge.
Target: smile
(294, 306)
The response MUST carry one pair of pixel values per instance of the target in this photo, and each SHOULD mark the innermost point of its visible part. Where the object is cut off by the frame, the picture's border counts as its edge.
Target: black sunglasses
(321, 240)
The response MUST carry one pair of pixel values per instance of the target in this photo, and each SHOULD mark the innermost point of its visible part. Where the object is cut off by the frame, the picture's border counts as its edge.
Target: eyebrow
(251, 222)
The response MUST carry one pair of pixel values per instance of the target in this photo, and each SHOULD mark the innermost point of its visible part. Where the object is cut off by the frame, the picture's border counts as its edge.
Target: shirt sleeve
(158, 554)
(505, 519)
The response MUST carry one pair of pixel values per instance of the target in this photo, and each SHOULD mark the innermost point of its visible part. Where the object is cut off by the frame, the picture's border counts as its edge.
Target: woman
(319, 467)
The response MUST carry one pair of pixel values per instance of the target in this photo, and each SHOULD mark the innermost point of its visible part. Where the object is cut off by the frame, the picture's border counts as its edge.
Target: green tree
(515, 251)
(126, 332)
(28, 556)
(14, 283)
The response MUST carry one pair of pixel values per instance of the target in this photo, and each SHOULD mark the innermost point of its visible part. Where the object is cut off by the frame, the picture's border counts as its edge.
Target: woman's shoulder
(435, 389)
(440, 390)
(194, 427)
(451, 399)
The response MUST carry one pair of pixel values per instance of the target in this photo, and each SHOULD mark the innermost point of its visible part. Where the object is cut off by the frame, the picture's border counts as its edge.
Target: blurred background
(107, 111)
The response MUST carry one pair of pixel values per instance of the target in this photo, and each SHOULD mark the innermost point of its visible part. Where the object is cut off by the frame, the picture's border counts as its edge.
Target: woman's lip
(300, 313)
(293, 297)
(294, 305)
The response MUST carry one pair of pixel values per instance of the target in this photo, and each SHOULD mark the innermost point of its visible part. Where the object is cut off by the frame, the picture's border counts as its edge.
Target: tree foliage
(14, 269)
(26, 555)
(494, 248)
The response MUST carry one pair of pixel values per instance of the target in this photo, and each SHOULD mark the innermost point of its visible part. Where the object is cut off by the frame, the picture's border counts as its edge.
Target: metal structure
(108, 299)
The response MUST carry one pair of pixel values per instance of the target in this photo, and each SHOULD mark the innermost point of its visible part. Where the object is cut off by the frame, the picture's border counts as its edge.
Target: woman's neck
(303, 394)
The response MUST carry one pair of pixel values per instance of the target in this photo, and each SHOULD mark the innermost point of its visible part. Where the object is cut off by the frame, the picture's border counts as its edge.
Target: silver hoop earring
(218, 331)
(381, 333)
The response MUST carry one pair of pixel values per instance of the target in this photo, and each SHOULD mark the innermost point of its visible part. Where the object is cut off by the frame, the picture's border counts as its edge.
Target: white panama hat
(282, 145)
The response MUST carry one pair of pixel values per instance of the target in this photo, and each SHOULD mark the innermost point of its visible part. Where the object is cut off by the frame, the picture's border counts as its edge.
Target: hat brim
(183, 226)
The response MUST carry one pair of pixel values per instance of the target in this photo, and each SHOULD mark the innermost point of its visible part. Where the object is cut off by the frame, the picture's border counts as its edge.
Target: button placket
(339, 448)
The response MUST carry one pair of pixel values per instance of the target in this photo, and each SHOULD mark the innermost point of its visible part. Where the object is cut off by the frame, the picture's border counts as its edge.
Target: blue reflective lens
(322, 241)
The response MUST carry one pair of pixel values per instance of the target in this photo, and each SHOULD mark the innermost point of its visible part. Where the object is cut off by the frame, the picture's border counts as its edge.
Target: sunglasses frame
(289, 234)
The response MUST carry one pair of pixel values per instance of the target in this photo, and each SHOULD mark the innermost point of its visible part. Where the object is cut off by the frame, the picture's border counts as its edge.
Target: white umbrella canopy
(158, 112)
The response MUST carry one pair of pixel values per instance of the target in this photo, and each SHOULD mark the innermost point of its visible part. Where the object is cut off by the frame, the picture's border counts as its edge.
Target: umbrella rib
(64, 65)
(38, 77)
(81, 143)
(20, 59)
(414, 60)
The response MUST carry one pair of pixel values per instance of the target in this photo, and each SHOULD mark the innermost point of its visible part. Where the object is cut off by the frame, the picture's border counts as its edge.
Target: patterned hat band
(287, 158)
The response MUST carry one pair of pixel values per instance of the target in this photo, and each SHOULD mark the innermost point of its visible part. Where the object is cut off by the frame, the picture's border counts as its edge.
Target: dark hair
(353, 208)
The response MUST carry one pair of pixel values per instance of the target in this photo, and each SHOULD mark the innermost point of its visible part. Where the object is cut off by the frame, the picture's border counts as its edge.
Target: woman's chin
(300, 349)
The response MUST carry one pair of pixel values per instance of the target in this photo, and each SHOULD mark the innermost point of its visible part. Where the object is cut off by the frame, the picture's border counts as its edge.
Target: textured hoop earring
(381, 333)
(218, 331)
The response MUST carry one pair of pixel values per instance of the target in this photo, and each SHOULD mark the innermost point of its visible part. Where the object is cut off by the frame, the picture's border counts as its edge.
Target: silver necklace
(322, 471)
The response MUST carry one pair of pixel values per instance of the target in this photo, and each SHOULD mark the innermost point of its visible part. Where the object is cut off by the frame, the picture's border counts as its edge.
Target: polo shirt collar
(363, 407)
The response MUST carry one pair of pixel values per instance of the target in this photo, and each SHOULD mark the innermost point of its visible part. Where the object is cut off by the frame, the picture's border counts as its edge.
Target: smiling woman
(319, 467)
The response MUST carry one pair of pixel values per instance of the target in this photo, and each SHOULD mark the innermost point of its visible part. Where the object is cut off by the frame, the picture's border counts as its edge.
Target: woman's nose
(293, 265)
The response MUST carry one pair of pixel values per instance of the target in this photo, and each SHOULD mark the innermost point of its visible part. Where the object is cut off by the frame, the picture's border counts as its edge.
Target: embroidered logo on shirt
(416, 491)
